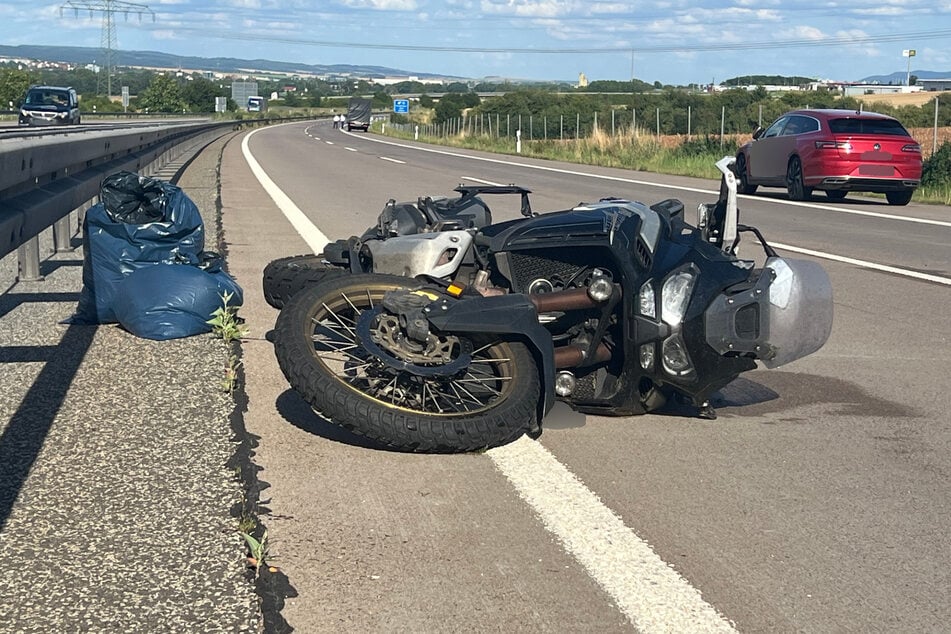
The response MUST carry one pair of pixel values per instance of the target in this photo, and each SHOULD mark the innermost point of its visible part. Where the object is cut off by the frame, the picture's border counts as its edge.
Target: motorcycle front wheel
(477, 391)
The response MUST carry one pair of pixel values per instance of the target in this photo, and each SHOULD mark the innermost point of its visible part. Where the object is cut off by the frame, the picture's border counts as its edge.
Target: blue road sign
(401, 105)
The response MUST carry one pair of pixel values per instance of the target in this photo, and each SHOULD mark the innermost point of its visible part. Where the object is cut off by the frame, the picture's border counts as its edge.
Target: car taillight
(833, 145)
(911, 147)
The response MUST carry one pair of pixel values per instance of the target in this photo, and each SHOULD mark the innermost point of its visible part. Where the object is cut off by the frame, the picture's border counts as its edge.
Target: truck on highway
(257, 104)
(358, 114)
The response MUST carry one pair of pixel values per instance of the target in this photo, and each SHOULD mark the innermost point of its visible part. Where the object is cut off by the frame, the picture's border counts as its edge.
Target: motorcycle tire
(491, 401)
(286, 276)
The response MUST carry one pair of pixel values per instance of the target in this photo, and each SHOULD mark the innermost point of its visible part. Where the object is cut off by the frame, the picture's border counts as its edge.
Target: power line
(845, 40)
(108, 8)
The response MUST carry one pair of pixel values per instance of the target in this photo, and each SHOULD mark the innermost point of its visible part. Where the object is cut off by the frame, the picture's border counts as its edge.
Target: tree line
(561, 107)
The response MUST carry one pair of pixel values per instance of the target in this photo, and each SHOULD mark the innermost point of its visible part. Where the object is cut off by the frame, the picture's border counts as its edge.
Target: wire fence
(674, 126)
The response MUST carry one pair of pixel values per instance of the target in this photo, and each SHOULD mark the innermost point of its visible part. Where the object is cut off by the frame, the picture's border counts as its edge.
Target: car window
(809, 124)
(48, 98)
(867, 126)
(775, 129)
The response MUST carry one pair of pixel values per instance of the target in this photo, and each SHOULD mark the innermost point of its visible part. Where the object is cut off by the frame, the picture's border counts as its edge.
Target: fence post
(688, 122)
(562, 127)
(545, 119)
(634, 122)
(578, 125)
(612, 121)
(722, 120)
(760, 122)
(508, 125)
(531, 128)
(497, 132)
(934, 143)
(658, 122)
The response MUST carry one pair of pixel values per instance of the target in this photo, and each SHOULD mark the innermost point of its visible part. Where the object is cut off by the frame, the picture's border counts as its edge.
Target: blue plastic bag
(168, 301)
(141, 222)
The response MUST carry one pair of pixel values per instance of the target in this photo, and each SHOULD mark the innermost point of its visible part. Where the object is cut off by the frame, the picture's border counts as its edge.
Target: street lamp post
(909, 53)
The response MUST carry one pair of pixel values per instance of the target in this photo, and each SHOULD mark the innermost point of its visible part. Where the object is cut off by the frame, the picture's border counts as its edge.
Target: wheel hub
(379, 332)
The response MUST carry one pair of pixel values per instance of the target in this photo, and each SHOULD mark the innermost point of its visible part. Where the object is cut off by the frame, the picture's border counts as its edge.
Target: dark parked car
(838, 151)
(50, 105)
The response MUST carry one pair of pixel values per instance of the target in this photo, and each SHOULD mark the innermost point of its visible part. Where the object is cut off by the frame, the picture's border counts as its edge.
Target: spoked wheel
(794, 183)
(284, 277)
(355, 363)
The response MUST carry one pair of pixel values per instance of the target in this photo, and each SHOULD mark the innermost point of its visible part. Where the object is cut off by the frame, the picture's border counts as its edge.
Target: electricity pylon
(108, 8)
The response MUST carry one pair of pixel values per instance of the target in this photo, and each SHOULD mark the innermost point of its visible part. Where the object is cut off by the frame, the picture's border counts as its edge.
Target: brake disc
(380, 334)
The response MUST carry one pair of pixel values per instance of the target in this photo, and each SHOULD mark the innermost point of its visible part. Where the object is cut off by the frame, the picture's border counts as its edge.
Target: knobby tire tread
(285, 277)
(397, 429)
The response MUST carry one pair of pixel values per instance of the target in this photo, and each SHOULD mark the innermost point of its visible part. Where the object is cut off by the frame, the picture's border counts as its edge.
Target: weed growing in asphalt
(225, 322)
(258, 549)
(230, 380)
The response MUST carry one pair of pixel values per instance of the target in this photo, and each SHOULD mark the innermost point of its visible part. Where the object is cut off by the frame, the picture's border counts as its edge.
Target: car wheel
(742, 178)
(794, 185)
(836, 194)
(899, 198)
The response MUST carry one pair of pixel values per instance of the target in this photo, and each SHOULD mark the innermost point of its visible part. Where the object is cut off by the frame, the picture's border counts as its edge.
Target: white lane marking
(865, 264)
(393, 160)
(633, 181)
(350, 149)
(313, 236)
(480, 180)
(647, 590)
(329, 142)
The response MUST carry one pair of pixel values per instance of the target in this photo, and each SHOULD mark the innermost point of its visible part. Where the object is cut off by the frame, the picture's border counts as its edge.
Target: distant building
(935, 85)
(852, 90)
(582, 81)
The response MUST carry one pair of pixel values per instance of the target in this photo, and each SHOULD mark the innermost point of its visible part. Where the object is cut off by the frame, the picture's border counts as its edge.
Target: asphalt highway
(818, 500)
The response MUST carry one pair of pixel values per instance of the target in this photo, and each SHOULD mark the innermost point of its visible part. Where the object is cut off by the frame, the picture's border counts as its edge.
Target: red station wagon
(838, 151)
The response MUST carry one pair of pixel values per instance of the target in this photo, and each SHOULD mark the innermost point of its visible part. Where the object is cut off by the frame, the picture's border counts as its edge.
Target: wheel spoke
(483, 382)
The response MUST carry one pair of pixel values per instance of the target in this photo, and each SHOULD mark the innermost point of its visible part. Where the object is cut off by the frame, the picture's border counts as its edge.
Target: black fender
(505, 314)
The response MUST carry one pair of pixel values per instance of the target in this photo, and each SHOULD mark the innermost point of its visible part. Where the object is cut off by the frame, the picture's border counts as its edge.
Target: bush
(700, 146)
(937, 168)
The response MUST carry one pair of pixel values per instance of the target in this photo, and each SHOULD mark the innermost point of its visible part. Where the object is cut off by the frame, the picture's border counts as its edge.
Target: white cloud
(381, 5)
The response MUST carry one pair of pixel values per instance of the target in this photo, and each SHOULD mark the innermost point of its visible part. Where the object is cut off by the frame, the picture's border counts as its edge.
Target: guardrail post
(61, 235)
(28, 255)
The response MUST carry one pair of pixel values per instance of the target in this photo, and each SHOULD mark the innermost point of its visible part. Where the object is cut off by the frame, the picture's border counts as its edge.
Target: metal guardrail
(44, 179)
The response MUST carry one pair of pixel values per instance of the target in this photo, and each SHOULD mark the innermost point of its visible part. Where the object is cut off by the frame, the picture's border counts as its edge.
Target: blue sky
(671, 41)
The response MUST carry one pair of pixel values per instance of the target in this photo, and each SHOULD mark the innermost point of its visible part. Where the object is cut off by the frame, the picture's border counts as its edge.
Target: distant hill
(899, 77)
(154, 59)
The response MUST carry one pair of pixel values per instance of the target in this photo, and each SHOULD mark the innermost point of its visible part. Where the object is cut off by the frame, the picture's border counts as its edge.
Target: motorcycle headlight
(674, 356)
(675, 295)
(645, 301)
(647, 356)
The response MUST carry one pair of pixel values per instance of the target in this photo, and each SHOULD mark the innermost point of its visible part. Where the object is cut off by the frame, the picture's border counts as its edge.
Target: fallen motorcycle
(451, 217)
(613, 307)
